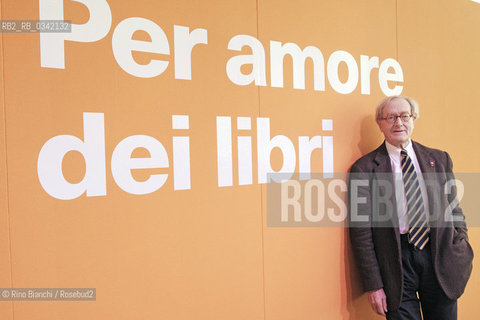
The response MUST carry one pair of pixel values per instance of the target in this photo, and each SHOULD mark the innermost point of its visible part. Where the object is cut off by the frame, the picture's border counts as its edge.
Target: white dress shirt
(396, 161)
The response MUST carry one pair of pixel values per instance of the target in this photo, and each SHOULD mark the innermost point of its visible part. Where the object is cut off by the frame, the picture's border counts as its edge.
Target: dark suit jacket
(376, 245)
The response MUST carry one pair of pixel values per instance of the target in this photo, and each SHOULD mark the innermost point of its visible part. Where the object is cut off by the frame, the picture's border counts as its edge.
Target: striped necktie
(417, 219)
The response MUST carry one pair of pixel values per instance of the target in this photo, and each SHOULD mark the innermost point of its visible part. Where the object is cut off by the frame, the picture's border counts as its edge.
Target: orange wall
(206, 252)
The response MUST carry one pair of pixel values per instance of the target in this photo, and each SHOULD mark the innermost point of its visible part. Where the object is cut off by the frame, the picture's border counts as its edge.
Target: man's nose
(398, 120)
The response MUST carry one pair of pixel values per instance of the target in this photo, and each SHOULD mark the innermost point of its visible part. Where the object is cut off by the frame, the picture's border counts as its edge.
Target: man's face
(399, 132)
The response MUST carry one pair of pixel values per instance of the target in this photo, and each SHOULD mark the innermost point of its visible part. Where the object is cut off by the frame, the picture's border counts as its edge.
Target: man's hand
(378, 301)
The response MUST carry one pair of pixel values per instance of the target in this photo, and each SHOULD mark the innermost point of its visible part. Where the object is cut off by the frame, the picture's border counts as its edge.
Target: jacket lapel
(424, 157)
(384, 168)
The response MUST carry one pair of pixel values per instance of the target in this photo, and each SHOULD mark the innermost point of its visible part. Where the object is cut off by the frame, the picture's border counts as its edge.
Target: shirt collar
(396, 151)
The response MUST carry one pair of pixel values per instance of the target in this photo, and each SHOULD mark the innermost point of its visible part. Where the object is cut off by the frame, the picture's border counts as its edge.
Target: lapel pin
(432, 163)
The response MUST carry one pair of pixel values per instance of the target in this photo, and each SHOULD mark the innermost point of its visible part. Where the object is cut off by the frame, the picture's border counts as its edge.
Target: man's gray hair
(413, 106)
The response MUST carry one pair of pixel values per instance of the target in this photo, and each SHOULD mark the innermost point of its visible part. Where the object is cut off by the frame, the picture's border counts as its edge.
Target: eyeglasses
(392, 119)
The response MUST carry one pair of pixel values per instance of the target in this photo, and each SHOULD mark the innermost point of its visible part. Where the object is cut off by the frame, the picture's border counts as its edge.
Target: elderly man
(407, 231)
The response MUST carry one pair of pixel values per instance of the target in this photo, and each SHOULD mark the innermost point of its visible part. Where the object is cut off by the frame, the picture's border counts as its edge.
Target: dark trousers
(419, 276)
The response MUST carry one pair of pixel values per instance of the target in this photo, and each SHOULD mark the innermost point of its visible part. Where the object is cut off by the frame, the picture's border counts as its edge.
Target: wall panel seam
(4, 162)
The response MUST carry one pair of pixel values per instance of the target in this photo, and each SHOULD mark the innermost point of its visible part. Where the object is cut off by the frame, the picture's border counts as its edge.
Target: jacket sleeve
(360, 227)
(456, 212)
